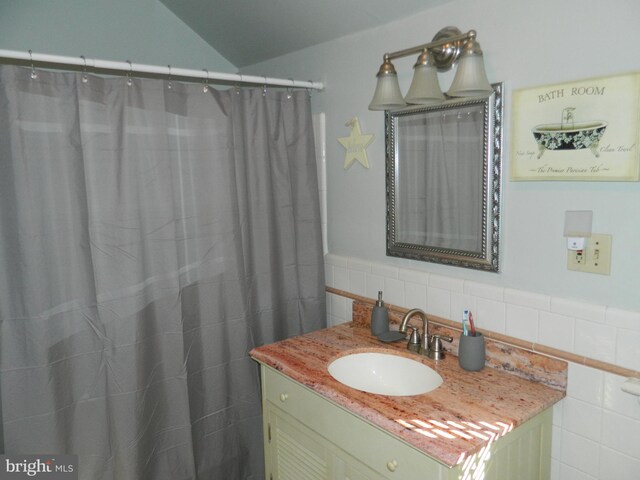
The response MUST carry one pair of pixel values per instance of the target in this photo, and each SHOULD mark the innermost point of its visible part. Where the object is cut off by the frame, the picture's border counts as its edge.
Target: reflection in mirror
(443, 182)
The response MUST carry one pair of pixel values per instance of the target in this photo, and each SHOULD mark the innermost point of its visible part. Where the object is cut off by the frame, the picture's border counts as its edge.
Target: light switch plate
(595, 258)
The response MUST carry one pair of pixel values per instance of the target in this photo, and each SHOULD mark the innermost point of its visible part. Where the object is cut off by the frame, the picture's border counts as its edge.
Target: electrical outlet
(594, 258)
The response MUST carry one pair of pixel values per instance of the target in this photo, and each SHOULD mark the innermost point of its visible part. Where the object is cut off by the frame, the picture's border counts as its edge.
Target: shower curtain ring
(238, 86)
(85, 78)
(205, 83)
(34, 74)
(130, 73)
(290, 88)
(170, 84)
(264, 87)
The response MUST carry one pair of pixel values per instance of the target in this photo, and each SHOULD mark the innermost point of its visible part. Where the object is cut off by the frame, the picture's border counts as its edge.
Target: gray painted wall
(143, 31)
(524, 45)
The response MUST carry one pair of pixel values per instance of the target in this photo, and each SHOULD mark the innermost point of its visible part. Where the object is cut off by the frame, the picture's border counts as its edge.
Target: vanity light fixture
(449, 46)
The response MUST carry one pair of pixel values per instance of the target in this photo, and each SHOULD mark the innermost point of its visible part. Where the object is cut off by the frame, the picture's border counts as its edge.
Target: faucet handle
(414, 340)
(437, 338)
(436, 350)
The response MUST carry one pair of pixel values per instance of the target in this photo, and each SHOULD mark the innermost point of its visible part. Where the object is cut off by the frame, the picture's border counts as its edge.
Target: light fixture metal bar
(428, 46)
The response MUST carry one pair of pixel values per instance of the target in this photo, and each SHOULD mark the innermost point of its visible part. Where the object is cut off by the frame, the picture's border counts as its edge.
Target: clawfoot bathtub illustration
(568, 135)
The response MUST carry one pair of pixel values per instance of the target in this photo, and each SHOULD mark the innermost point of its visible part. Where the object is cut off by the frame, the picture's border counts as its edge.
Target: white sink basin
(385, 374)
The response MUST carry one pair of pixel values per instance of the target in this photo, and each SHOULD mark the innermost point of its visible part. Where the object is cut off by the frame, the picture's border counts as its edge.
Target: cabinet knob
(283, 397)
(391, 465)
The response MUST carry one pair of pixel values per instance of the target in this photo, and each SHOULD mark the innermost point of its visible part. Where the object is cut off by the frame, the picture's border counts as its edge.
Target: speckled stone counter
(469, 411)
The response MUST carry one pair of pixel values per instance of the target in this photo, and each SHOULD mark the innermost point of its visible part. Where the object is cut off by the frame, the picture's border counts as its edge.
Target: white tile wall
(596, 428)
(615, 465)
(523, 322)
(579, 453)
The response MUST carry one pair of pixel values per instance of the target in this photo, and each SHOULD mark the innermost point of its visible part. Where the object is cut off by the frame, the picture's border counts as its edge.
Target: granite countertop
(468, 411)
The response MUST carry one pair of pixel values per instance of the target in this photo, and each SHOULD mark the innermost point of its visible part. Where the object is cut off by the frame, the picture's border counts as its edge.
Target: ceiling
(246, 32)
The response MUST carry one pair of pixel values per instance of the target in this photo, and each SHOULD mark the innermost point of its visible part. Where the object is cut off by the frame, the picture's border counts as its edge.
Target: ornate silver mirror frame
(443, 170)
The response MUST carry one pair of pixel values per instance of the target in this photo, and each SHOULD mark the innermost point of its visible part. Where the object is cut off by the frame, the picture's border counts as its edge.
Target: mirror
(443, 182)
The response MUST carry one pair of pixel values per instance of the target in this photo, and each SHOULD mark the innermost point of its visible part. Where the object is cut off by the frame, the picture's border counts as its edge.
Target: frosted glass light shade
(471, 78)
(387, 94)
(424, 89)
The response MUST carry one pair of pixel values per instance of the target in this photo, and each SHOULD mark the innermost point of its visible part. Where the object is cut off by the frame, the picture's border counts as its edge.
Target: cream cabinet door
(295, 452)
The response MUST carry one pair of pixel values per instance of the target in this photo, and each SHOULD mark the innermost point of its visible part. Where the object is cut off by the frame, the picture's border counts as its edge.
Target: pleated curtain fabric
(439, 200)
(151, 234)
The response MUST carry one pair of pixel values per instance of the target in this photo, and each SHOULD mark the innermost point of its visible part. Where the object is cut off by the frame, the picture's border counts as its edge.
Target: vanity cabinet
(307, 437)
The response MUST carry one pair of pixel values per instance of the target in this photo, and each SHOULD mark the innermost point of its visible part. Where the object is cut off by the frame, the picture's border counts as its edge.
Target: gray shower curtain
(151, 234)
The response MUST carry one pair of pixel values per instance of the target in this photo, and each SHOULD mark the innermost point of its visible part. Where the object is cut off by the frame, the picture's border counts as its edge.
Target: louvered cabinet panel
(296, 452)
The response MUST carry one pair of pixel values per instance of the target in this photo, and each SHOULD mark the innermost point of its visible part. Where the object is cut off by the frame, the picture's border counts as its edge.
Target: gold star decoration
(355, 144)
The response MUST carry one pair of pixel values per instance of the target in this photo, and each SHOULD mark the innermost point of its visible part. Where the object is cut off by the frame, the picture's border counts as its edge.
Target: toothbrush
(465, 320)
(473, 327)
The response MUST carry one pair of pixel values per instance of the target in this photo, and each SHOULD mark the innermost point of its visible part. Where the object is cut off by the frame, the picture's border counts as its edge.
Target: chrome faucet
(426, 338)
(431, 345)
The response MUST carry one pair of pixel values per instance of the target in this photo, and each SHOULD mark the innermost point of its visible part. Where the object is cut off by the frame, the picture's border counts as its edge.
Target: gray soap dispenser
(379, 317)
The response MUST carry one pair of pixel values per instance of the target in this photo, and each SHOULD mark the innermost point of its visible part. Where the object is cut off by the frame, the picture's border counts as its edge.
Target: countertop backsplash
(501, 356)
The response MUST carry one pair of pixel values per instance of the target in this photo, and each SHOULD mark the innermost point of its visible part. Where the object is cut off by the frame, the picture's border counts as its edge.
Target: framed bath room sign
(588, 130)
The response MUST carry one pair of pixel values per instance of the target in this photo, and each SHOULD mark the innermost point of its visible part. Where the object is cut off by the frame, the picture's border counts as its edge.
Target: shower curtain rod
(130, 67)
